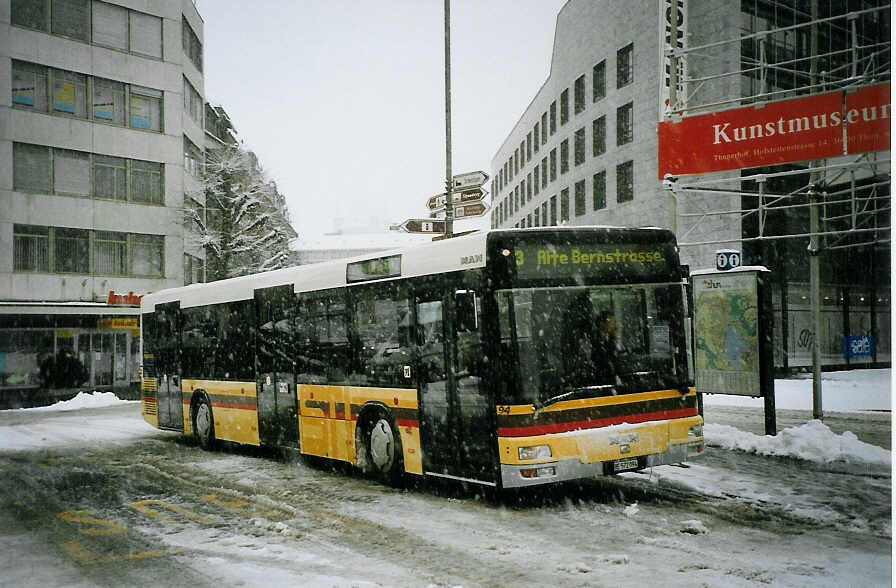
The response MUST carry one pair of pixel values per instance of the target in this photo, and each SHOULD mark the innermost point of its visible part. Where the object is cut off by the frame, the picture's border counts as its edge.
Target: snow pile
(813, 441)
(85, 400)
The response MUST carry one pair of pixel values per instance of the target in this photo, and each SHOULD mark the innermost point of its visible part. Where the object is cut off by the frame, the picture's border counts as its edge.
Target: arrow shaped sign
(465, 211)
(467, 196)
(423, 225)
(468, 180)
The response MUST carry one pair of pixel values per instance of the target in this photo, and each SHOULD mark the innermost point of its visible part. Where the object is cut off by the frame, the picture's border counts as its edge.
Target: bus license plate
(624, 465)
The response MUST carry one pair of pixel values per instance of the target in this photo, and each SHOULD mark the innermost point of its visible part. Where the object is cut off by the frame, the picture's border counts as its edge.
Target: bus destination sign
(373, 269)
(653, 260)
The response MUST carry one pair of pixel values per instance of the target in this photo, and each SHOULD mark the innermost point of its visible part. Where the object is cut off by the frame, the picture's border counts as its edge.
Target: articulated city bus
(505, 358)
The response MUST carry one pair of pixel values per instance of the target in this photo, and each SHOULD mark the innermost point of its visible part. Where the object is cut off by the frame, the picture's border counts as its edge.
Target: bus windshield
(585, 341)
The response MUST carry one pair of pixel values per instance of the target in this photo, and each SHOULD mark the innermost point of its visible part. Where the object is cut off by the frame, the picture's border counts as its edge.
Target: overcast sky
(343, 100)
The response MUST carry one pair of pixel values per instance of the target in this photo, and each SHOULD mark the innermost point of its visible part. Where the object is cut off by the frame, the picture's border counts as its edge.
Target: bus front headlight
(535, 452)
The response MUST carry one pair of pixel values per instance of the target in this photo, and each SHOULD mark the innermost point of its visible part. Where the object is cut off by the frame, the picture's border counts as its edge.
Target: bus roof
(459, 253)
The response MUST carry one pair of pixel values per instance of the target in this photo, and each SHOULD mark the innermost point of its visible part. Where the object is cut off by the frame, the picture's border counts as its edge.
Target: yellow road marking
(103, 527)
(144, 507)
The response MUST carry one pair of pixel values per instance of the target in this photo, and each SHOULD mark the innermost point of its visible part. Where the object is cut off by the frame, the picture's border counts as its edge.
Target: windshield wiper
(584, 392)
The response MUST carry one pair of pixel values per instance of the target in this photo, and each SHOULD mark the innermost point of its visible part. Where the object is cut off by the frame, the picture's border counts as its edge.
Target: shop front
(50, 352)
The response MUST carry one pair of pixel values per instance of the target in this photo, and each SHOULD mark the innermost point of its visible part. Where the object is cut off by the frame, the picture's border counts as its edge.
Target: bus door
(166, 343)
(278, 422)
(455, 415)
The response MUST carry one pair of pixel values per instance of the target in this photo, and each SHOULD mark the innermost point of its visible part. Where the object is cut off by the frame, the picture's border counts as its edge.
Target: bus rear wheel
(203, 422)
(379, 448)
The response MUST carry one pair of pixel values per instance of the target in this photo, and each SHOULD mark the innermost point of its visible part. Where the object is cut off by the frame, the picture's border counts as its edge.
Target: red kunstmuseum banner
(800, 129)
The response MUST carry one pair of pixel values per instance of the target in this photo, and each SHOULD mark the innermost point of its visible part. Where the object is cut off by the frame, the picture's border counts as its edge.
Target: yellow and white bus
(505, 358)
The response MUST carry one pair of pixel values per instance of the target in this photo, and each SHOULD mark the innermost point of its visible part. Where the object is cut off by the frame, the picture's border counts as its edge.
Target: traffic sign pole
(449, 212)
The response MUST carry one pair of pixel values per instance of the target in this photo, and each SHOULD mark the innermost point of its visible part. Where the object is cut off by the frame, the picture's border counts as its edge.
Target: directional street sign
(468, 180)
(423, 225)
(464, 211)
(467, 196)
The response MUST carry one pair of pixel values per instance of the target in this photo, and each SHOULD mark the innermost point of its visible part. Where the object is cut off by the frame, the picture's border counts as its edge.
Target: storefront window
(25, 357)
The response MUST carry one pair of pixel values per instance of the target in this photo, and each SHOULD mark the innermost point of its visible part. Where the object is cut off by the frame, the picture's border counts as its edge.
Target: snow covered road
(93, 496)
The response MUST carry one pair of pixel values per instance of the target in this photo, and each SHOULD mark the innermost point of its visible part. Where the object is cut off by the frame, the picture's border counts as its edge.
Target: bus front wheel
(379, 447)
(203, 422)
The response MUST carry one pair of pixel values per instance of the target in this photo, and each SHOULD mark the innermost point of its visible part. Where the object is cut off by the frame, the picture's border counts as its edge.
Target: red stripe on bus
(595, 423)
(407, 423)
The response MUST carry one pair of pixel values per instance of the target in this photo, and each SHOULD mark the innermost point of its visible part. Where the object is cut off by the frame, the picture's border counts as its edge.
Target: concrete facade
(57, 130)
(588, 33)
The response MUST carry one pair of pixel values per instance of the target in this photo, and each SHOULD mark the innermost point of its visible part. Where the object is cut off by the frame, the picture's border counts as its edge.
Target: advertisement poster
(727, 333)
(64, 98)
(140, 114)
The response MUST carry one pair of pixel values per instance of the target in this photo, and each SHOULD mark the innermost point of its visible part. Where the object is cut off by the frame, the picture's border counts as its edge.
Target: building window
(30, 14)
(71, 172)
(148, 253)
(108, 101)
(191, 44)
(529, 147)
(625, 72)
(544, 214)
(68, 251)
(535, 134)
(564, 156)
(31, 248)
(535, 215)
(71, 251)
(625, 188)
(194, 269)
(516, 161)
(553, 111)
(544, 172)
(110, 26)
(544, 128)
(70, 93)
(554, 210)
(110, 177)
(599, 136)
(624, 124)
(48, 170)
(599, 81)
(192, 102)
(110, 253)
(553, 164)
(522, 154)
(29, 85)
(192, 158)
(95, 22)
(599, 190)
(564, 106)
(579, 147)
(71, 18)
(580, 198)
(535, 179)
(564, 205)
(579, 95)
(31, 169)
(146, 109)
(146, 34)
(146, 182)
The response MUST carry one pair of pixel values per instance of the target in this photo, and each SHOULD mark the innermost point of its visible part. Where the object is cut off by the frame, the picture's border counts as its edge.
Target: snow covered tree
(245, 227)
